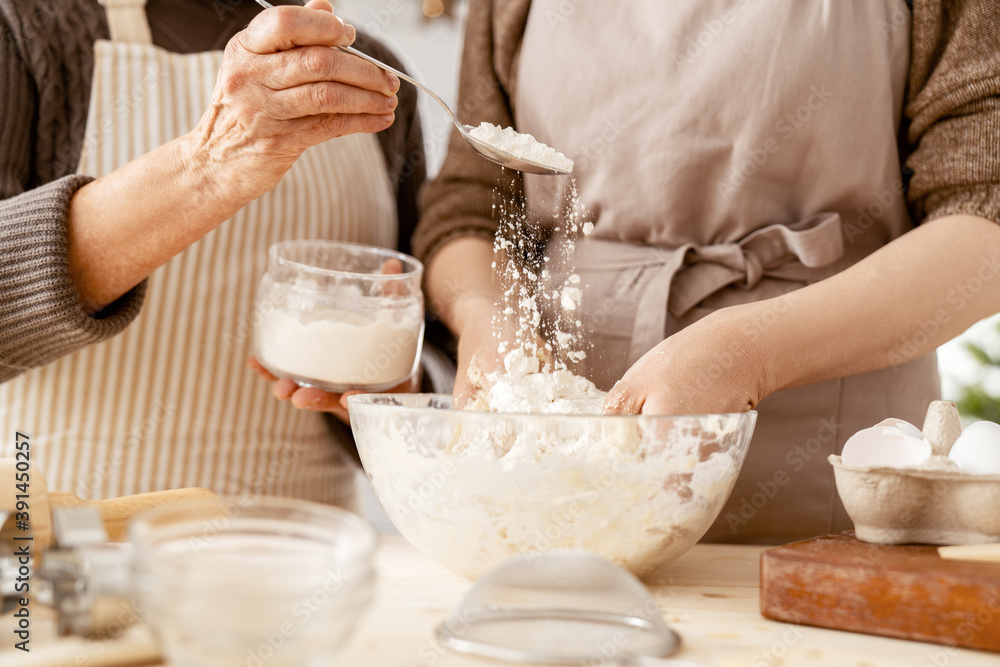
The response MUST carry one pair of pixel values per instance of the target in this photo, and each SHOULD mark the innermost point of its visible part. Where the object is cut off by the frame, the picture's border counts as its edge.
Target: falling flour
(537, 353)
(522, 146)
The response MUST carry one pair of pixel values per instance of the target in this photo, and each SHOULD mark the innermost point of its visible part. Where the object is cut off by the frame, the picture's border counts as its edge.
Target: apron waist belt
(688, 275)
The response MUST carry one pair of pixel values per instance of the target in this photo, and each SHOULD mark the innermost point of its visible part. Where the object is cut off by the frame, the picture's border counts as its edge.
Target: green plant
(975, 401)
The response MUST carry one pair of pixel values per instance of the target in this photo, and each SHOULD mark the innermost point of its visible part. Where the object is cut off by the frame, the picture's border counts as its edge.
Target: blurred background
(970, 371)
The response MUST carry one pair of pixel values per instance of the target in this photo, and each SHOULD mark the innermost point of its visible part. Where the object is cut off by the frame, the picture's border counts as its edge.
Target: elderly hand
(311, 398)
(282, 89)
(713, 366)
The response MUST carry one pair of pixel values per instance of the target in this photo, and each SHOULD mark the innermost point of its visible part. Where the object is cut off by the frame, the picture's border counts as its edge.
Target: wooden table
(709, 596)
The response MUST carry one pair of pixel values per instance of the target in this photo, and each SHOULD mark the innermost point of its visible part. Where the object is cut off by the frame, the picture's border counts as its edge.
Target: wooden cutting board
(908, 591)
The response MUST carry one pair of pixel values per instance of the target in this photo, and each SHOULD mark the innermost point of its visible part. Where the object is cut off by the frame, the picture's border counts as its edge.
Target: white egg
(906, 427)
(885, 447)
(977, 450)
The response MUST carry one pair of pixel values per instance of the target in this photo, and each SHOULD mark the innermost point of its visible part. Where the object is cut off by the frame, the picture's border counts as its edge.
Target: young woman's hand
(460, 289)
(713, 366)
(477, 348)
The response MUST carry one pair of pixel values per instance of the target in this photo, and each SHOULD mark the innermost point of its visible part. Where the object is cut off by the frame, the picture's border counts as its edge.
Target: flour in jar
(338, 349)
(522, 146)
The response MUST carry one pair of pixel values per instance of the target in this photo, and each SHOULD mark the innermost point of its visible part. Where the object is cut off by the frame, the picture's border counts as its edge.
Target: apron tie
(691, 273)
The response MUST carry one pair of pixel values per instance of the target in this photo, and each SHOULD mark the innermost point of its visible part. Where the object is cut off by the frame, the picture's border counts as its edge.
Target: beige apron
(169, 402)
(731, 151)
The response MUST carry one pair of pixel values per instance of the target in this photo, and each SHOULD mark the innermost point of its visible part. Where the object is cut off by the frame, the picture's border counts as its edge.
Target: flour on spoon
(522, 146)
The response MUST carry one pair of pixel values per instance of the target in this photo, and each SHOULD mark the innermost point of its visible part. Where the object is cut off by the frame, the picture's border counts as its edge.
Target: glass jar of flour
(339, 316)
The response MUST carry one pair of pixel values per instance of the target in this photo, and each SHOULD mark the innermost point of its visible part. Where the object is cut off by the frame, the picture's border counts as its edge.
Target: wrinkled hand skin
(710, 367)
(317, 400)
(282, 89)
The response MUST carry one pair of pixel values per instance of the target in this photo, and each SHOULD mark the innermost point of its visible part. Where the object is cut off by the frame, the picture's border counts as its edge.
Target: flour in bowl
(522, 146)
(531, 385)
(473, 489)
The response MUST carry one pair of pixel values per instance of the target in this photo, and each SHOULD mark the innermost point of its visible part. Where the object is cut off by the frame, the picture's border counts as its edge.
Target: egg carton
(904, 486)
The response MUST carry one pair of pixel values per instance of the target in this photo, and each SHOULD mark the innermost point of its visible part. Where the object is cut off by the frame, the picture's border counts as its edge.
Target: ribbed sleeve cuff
(428, 241)
(980, 200)
(41, 318)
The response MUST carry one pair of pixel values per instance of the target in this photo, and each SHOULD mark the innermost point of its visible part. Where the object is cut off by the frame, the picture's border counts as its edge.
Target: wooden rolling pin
(116, 512)
(988, 553)
(136, 647)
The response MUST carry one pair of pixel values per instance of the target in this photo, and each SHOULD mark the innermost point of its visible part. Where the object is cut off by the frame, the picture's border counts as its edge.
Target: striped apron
(170, 403)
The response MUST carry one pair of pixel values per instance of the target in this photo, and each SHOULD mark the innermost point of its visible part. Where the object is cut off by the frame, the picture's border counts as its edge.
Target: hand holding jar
(335, 319)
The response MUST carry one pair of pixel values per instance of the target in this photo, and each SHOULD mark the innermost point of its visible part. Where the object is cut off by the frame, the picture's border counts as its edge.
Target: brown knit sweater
(46, 61)
(952, 111)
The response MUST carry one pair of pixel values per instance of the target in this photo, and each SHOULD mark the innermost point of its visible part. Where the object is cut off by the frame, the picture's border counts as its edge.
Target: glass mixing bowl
(472, 489)
(339, 316)
(252, 580)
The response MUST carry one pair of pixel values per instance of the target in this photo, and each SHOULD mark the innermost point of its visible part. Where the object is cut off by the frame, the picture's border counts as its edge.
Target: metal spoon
(490, 152)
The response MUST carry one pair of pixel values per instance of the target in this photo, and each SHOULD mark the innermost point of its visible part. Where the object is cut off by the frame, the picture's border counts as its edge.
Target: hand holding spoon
(489, 151)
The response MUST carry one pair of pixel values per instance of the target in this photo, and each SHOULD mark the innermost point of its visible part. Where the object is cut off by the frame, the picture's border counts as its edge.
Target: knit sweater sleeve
(459, 202)
(953, 108)
(41, 318)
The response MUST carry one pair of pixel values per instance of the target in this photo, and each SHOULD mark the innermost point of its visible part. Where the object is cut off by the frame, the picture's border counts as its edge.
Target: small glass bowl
(339, 316)
(232, 581)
